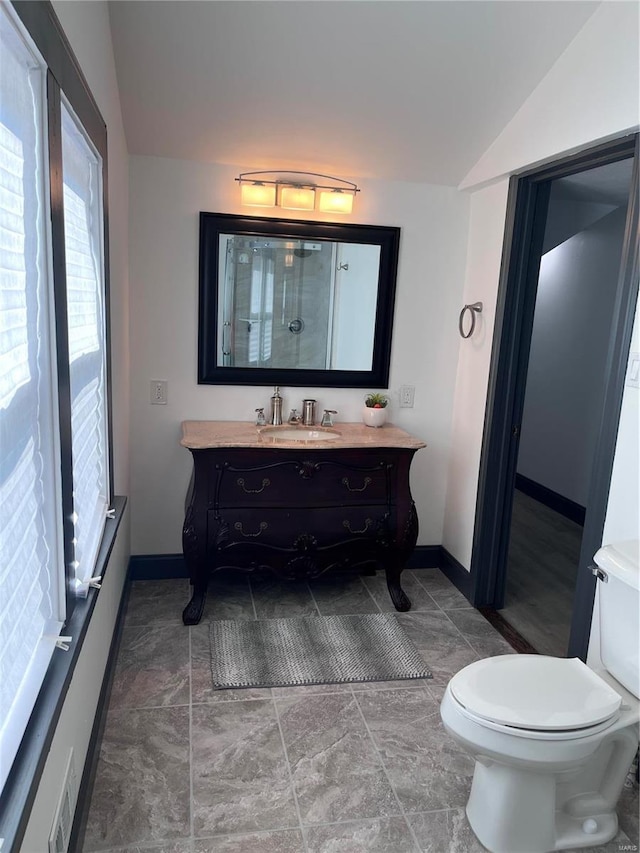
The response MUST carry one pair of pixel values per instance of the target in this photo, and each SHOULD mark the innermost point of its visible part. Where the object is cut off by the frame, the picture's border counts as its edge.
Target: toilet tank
(619, 606)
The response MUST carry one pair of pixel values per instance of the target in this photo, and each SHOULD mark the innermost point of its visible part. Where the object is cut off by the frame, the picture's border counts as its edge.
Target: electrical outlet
(407, 395)
(158, 392)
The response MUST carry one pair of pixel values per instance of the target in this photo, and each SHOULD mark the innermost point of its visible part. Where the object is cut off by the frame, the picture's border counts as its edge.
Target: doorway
(558, 364)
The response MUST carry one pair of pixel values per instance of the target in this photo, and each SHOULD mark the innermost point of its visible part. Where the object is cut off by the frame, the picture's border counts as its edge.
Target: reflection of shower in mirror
(301, 304)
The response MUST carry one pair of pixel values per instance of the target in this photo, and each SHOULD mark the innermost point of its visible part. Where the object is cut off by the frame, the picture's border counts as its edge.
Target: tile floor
(363, 768)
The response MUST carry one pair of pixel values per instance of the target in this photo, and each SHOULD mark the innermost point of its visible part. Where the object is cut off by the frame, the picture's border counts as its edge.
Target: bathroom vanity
(297, 502)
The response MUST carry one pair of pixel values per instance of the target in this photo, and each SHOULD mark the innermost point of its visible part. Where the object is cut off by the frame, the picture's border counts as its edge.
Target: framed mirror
(292, 302)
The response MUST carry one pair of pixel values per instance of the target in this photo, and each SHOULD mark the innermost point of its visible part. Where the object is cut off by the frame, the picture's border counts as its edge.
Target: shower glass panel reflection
(296, 304)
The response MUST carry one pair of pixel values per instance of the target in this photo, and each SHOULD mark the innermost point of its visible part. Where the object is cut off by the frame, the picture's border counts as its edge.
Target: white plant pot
(374, 417)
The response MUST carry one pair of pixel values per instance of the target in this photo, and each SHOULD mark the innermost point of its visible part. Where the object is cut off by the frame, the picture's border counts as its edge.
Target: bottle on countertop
(276, 408)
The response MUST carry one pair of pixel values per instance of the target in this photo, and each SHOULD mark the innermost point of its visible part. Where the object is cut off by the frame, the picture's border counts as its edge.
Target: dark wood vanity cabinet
(298, 512)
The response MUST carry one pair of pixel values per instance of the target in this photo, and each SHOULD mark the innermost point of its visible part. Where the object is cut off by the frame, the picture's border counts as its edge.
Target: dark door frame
(524, 231)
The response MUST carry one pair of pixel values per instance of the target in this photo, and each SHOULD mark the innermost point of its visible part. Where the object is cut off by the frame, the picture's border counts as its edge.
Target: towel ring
(474, 309)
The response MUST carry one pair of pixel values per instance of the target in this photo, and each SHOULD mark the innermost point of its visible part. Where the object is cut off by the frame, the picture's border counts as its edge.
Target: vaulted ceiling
(408, 90)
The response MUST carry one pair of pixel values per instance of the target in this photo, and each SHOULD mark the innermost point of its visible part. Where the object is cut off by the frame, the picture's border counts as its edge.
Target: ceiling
(610, 184)
(408, 90)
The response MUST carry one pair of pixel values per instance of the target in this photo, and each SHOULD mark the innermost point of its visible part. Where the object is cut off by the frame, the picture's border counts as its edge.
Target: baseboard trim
(425, 557)
(456, 573)
(558, 503)
(156, 567)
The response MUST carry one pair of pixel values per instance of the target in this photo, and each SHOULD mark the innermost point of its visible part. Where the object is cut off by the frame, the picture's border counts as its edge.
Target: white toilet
(553, 740)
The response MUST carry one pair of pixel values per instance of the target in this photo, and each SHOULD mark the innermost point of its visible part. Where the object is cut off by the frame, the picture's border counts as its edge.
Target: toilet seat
(557, 698)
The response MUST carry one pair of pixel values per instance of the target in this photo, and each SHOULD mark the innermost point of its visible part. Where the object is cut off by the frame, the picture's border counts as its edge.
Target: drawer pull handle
(367, 524)
(238, 526)
(345, 482)
(266, 482)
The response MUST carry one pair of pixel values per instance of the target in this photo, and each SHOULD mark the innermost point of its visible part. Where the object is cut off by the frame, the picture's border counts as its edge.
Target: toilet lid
(535, 692)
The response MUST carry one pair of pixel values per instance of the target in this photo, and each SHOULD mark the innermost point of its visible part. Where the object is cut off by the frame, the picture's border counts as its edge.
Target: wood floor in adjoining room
(541, 575)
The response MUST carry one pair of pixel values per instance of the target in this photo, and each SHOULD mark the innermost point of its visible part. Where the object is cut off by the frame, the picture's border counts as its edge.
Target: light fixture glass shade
(336, 201)
(297, 198)
(258, 194)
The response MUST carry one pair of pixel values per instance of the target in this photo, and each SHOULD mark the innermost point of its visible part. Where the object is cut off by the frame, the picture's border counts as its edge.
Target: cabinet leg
(192, 613)
(399, 597)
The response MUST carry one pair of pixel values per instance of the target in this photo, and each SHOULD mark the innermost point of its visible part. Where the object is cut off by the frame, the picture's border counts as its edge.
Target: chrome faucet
(327, 420)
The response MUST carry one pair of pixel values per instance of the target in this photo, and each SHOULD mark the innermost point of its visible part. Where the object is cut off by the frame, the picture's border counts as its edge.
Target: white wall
(591, 93)
(569, 343)
(86, 25)
(623, 510)
(166, 197)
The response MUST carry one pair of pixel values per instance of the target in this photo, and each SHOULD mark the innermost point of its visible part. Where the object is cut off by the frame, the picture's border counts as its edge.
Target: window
(82, 205)
(54, 460)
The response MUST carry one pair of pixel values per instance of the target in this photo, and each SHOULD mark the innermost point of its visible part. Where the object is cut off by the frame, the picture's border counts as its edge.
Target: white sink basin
(294, 433)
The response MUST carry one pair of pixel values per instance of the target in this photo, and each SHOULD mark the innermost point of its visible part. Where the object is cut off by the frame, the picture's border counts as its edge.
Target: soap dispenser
(276, 408)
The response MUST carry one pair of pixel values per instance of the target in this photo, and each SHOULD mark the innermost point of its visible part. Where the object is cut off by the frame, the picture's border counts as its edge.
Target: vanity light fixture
(297, 191)
(336, 201)
(297, 198)
(258, 194)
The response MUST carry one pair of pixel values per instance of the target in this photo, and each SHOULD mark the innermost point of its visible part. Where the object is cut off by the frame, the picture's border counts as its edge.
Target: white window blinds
(82, 169)
(31, 559)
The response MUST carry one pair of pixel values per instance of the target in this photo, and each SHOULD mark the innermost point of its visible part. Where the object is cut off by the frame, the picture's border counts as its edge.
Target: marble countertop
(199, 435)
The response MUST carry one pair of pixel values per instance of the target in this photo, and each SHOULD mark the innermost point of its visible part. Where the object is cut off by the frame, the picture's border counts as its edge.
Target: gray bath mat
(312, 650)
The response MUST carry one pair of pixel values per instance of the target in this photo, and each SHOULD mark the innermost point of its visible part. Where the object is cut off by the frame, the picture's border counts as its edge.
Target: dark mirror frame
(214, 224)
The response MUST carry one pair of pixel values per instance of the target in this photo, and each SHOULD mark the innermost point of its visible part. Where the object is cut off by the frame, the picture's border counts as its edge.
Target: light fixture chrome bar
(253, 177)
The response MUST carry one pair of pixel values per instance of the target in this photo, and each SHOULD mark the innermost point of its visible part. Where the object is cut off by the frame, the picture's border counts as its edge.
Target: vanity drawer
(296, 528)
(306, 482)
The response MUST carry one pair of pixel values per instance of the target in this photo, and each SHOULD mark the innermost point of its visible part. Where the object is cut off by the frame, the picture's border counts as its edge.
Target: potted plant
(374, 413)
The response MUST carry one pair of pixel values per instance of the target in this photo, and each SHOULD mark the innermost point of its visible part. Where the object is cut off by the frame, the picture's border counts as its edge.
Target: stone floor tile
(141, 790)
(445, 594)
(442, 646)
(311, 689)
(445, 832)
(228, 597)
(479, 633)
(400, 684)
(276, 599)
(353, 778)
(384, 835)
(426, 768)
(336, 770)
(152, 667)
(241, 782)
(282, 841)
(169, 847)
(157, 602)
(342, 596)
(419, 597)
